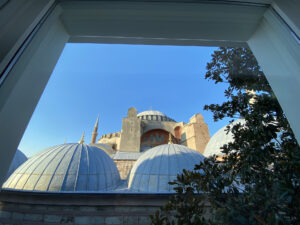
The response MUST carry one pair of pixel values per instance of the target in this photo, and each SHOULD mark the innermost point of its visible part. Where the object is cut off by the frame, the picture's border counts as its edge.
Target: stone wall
(131, 132)
(168, 126)
(195, 134)
(111, 209)
(124, 167)
(112, 140)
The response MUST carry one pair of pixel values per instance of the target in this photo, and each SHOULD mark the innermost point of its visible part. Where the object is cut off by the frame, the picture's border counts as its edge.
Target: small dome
(66, 168)
(154, 115)
(219, 139)
(18, 159)
(160, 165)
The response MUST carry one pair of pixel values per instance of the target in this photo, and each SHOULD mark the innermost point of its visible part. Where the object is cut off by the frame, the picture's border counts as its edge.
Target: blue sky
(92, 79)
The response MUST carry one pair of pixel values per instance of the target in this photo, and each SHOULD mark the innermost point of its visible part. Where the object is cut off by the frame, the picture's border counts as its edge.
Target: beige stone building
(145, 130)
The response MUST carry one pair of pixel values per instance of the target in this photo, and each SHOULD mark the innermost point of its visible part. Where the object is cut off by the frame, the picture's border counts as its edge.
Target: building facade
(152, 128)
(148, 129)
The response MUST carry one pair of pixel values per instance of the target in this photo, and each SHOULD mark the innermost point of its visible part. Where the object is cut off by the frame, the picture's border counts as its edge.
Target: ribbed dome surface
(160, 165)
(219, 139)
(19, 159)
(66, 168)
(151, 112)
(154, 115)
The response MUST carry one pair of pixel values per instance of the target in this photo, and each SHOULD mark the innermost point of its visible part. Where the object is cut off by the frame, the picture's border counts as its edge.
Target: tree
(258, 180)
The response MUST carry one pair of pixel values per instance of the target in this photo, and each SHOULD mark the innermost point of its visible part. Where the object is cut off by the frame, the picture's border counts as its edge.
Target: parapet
(111, 135)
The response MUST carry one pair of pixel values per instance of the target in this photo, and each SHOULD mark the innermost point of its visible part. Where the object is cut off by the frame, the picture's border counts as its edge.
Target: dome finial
(170, 139)
(82, 139)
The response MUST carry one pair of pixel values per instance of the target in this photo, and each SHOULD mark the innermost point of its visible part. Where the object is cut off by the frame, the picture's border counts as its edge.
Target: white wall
(278, 52)
(17, 20)
(24, 85)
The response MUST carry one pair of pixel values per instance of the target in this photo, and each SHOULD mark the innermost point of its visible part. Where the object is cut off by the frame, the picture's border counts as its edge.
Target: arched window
(151, 138)
(154, 137)
(157, 139)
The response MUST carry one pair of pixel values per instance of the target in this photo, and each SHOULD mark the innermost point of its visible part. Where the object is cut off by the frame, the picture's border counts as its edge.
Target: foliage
(258, 180)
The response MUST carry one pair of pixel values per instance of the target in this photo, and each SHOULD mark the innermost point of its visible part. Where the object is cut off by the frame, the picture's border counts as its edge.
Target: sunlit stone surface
(66, 168)
(160, 165)
(148, 129)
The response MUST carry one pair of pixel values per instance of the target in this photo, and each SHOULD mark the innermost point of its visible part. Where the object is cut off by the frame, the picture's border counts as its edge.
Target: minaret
(82, 139)
(94, 134)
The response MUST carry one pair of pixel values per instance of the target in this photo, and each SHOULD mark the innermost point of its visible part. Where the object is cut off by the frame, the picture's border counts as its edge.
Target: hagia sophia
(121, 178)
(148, 129)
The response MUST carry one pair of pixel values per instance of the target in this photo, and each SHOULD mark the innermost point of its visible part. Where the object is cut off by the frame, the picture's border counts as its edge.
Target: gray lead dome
(154, 115)
(160, 165)
(66, 168)
(220, 138)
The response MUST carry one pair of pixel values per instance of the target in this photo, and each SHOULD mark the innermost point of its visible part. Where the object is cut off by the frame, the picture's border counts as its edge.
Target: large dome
(219, 139)
(66, 168)
(154, 115)
(19, 159)
(160, 165)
